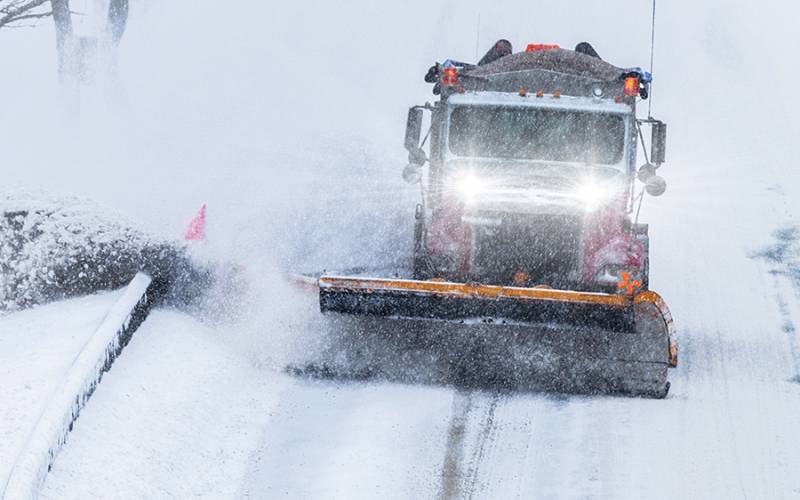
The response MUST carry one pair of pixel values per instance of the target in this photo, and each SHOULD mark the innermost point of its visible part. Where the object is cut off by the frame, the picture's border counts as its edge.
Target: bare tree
(62, 17)
(117, 19)
(15, 13)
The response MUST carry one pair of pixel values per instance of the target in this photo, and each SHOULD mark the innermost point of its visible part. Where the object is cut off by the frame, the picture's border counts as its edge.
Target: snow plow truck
(527, 228)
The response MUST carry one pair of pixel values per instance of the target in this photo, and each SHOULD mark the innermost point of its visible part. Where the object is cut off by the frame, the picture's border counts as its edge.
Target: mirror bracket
(658, 140)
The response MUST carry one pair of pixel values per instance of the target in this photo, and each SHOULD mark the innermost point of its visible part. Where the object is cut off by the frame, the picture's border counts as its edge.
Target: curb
(80, 381)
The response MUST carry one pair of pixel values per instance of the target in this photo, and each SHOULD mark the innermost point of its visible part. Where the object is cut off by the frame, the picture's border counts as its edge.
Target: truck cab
(532, 177)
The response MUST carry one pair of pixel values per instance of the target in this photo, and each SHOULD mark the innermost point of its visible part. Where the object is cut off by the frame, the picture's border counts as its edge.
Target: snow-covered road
(727, 430)
(197, 420)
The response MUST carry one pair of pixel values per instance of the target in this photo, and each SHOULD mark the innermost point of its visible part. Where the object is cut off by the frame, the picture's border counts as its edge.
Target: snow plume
(288, 119)
(54, 247)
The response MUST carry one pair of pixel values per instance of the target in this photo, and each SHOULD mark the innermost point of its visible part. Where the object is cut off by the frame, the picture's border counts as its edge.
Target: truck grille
(545, 247)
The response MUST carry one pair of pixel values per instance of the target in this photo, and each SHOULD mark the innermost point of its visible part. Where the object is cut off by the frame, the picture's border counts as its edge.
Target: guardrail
(84, 374)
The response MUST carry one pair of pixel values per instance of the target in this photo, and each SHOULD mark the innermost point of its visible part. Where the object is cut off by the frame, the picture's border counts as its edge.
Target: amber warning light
(631, 86)
(450, 76)
(536, 47)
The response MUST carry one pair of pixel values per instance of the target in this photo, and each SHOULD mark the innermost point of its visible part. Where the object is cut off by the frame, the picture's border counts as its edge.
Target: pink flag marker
(197, 227)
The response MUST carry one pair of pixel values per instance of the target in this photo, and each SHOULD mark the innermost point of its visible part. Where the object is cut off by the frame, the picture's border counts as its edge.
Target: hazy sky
(254, 107)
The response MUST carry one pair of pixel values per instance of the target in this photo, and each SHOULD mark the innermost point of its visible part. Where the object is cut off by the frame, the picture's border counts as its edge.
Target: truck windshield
(537, 134)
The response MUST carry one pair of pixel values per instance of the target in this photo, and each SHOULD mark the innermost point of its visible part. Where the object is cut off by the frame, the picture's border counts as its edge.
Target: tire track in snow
(454, 448)
(460, 478)
(486, 437)
(782, 256)
(788, 327)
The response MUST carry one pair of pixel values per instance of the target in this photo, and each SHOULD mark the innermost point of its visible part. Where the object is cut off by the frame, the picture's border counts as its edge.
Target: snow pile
(179, 416)
(53, 247)
(37, 347)
(77, 386)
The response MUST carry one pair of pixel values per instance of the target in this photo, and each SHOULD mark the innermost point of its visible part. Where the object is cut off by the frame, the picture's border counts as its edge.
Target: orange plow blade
(538, 338)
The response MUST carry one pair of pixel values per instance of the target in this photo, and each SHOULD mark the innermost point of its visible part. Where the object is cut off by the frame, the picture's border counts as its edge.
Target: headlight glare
(593, 194)
(468, 187)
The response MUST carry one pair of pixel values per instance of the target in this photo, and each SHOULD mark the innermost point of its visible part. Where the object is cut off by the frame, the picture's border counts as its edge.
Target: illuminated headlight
(469, 187)
(593, 194)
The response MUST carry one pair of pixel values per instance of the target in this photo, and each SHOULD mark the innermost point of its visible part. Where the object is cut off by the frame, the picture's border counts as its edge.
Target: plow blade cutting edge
(538, 338)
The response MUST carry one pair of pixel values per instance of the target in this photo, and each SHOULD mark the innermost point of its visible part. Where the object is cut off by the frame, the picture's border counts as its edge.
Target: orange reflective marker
(628, 284)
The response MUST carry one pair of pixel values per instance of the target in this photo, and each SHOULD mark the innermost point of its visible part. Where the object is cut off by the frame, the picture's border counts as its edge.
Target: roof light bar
(537, 47)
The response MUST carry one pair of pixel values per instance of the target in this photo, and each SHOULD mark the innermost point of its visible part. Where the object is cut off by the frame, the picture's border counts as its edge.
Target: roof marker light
(631, 86)
(523, 92)
(537, 47)
(540, 93)
(449, 75)
(557, 94)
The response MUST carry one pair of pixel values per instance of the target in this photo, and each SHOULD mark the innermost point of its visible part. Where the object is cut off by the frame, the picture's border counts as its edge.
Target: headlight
(469, 187)
(593, 194)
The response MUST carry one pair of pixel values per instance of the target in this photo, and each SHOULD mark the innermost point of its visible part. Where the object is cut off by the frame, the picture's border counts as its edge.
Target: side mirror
(658, 142)
(413, 128)
(645, 172)
(417, 156)
(655, 185)
(412, 173)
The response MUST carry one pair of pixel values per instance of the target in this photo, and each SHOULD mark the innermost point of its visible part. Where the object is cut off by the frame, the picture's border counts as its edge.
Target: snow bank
(52, 248)
(37, 347)
(179, 416)
(80, 381)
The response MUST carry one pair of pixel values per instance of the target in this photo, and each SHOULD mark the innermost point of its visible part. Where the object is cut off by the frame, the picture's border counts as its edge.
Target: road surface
(191, 409)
